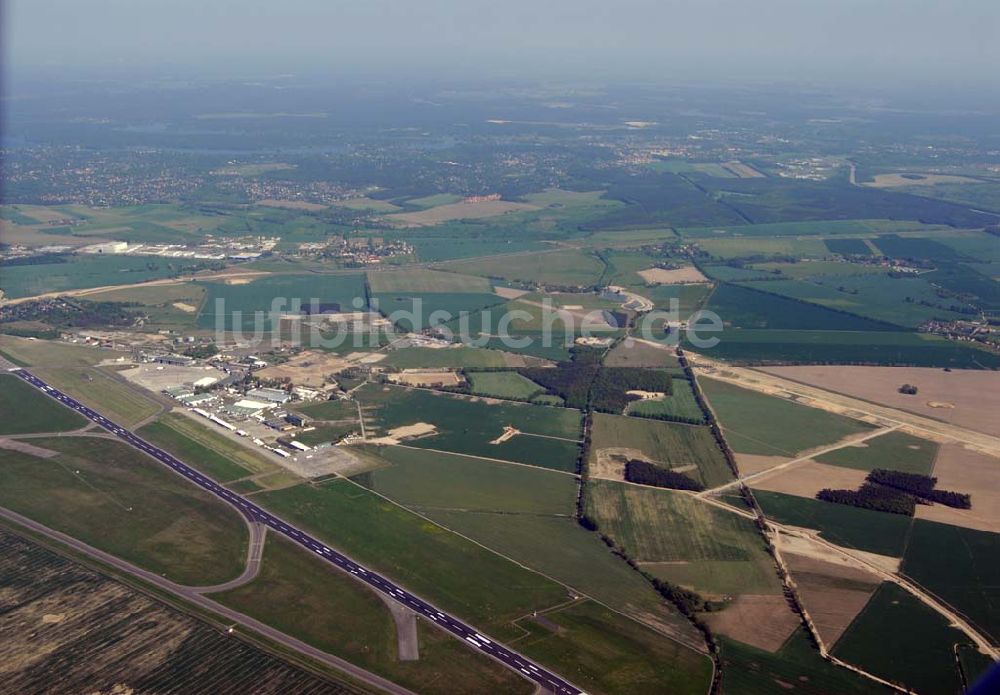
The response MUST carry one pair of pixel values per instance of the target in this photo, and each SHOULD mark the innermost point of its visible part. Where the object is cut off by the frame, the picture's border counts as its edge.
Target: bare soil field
(509, 292)
(833, 593)
(640, 353)
(898, 180)
(809, 478)
(458, 211)
(764, 622)
(27, 448)
(400, 434)
(962, 470)
(677, 276)
(185, 307)
(291, 204)
(755, 463)
(968, 398)
(308, 368)
(609, 463)
(787, 543)
(743, 171)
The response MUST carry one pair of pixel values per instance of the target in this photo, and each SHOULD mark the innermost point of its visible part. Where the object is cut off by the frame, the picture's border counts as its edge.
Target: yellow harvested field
(509, 292)
(183, 306)
(897, 180)
(677, 276)
(764, 622)
(962, 470)
(968, 398)
(749, 464)
(400, 434)
(458, 211)
(291, 204)
(807, 479)
(743, 171)
(833, 593)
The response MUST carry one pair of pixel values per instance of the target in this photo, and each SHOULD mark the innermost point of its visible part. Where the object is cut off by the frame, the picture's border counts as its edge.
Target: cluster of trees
(908, 389)
(896, 492)
(583, 381)
(646, 473)
(571, 379)
(871, 496)
(63, 312)
(922, 486)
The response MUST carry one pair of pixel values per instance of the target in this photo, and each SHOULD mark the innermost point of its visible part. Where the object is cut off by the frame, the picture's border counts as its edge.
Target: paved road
(544, 678)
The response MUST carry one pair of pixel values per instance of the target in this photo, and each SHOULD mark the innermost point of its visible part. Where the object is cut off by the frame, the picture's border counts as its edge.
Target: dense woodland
(646, 473)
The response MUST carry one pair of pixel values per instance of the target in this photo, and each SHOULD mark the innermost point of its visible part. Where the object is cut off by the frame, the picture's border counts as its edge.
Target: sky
(842, 41)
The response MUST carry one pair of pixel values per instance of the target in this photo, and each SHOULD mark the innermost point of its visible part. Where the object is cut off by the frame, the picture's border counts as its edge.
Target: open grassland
(259, 295)
(419, 280)
(570, 267)
(171, 307)
(959, 565)
(456, 357)
(558, 547)
(469, 425)
(799, 247)
(430, 201)
(896, 451)
(367, 204)
(635, 353)
(680, 403)
(779, 347)
(903, 301)
(443, 567)
(851, 527)
(682, 540)
(24, 409)
(809, 228)
(901, 639)
(603, 652)
(327, 410)
(83, 272)
(429, 480)
(966, 398)
(458, 211)
(69, 629)
(413, 311)
(753, 306)
(503, 385)
(31, 353)
(119, 401)
(758, 424)
(213, 454)
(114, 498)
(432, 250)
(676, 446)
(332, 611)
(812, 269)
(796, 668)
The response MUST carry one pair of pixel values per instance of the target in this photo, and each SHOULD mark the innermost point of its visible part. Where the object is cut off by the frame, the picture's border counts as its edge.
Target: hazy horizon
(895, 43)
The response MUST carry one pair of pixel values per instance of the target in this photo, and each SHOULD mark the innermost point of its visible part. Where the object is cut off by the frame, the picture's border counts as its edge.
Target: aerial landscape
(515, 363)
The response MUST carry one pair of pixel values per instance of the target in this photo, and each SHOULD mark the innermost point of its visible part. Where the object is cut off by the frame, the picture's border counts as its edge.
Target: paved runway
(546, 679)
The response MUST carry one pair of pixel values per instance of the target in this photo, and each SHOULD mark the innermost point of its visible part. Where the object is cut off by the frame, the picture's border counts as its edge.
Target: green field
(455, 357)
(412, 311)
(603, 652)
(817, 228)
(796, 668)
(558, 547)
(110, 496)
(158, 304)
(83, 272)
(680, 403)
(906, 301)
(420, 280)
(667, 443)
(432, 250)
(332, 611)
(901, 639)
(24, 409)
(851, 527)
(632, 353)
(429, 480)
(958, 565)
(212, 463)
(811, 269)
(753, 306)
(847, 347)
(467, 426)
(328, 410)
(896, 451)
(443, 567)
(741, 247)
(568, 268)
(260, 294)
(683, 540)
(755, 423)
(117, 400)
(503, 385)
